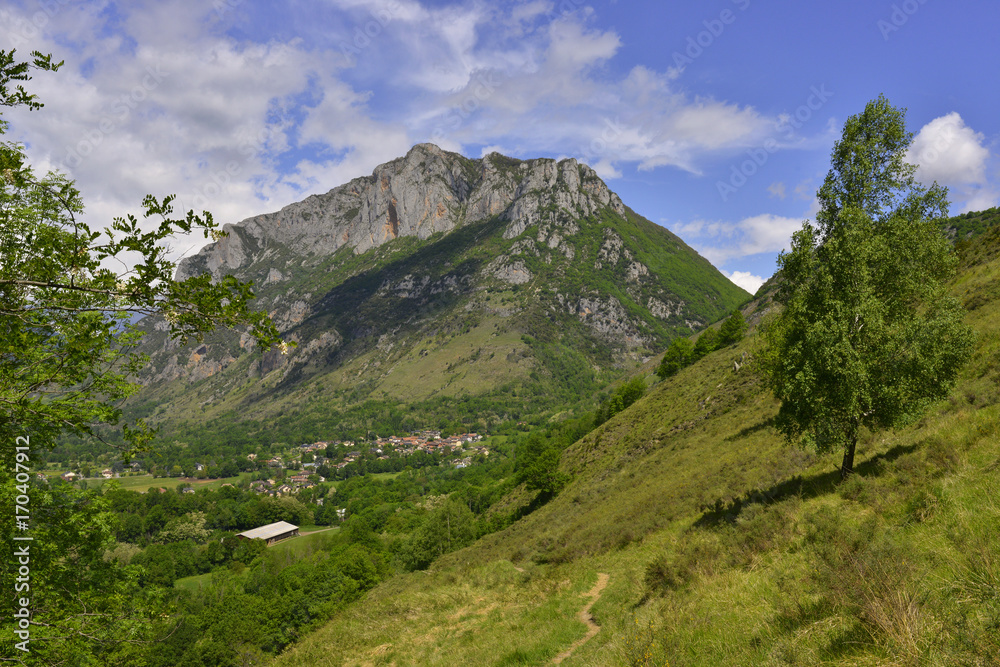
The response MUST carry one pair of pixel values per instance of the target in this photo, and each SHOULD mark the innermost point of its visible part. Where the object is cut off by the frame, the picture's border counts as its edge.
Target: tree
(537, 465)
(679, 355)
(624, 396)
(707, 342)
(732, 330)
(868, 335)
(69, 298)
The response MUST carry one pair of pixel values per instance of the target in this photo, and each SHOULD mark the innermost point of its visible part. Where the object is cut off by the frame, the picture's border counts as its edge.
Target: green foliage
(968, 226)
(868, 335)
(679, 355)
(707, 342)
(732, 330)
(537, 465)
(624, 396)
(448, 527)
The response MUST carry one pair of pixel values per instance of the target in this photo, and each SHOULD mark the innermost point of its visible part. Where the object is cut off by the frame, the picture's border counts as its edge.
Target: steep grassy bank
(724, 545)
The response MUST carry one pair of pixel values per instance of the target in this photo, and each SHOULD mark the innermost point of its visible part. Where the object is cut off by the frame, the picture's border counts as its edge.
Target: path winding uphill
(592, 628)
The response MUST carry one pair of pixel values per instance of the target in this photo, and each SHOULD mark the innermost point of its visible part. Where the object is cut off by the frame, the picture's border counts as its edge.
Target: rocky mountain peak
(427, 191)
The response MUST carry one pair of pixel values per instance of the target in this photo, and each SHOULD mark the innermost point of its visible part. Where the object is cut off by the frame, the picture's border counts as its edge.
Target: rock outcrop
(426, 192)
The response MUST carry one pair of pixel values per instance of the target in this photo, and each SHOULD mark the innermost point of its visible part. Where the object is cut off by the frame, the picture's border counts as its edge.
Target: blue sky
(715, 119)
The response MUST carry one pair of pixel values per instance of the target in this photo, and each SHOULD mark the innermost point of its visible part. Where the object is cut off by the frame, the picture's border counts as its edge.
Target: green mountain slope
(968, 226)
(724, 545)
(487, 292)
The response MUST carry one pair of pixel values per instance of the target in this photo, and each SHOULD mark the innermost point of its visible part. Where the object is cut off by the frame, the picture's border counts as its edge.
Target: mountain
(440, 287)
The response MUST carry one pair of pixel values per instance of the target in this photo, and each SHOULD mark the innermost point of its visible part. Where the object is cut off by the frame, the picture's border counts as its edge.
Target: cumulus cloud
(777, 190)
(746, 280)
(948, 151)
(721, 242)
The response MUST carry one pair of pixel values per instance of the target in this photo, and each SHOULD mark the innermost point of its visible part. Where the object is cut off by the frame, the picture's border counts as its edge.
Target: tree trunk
(847, 467)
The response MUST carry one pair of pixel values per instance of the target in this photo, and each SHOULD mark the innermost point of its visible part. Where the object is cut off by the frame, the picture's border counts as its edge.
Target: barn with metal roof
(271, 533)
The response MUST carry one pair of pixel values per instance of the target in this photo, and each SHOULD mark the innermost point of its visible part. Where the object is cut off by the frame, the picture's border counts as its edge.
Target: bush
(707, 342)
(679, 355)
(732, 330)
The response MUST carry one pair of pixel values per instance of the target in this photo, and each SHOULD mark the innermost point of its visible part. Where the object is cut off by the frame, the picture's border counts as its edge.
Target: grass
(193, 583)
(143, 483)
(305, 544)
(725, 545)
(488, 615)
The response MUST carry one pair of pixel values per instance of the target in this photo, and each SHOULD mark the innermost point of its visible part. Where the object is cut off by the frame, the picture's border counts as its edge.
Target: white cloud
(721, 242)
(746, 280)
(777, 190)
(979, 199)
(948, 151)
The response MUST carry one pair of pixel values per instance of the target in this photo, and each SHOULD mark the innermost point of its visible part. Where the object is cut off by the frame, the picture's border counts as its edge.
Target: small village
(305, 466)
(313, 458)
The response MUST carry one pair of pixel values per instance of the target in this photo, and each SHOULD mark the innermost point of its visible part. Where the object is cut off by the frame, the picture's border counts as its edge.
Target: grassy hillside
(724, 545)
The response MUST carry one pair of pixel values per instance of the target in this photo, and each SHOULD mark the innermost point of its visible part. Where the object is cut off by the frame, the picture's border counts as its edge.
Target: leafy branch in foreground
(69, 296)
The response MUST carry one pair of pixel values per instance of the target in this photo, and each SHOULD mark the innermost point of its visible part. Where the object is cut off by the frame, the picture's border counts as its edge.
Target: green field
(306, 543)
(143, 483)
(296, 548)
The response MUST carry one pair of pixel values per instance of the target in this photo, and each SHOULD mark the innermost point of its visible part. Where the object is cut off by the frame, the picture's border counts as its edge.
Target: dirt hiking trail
(592, 628)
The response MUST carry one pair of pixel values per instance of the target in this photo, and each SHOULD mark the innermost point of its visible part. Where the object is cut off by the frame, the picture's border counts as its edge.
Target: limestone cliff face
(427, 191)
(368, 277)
